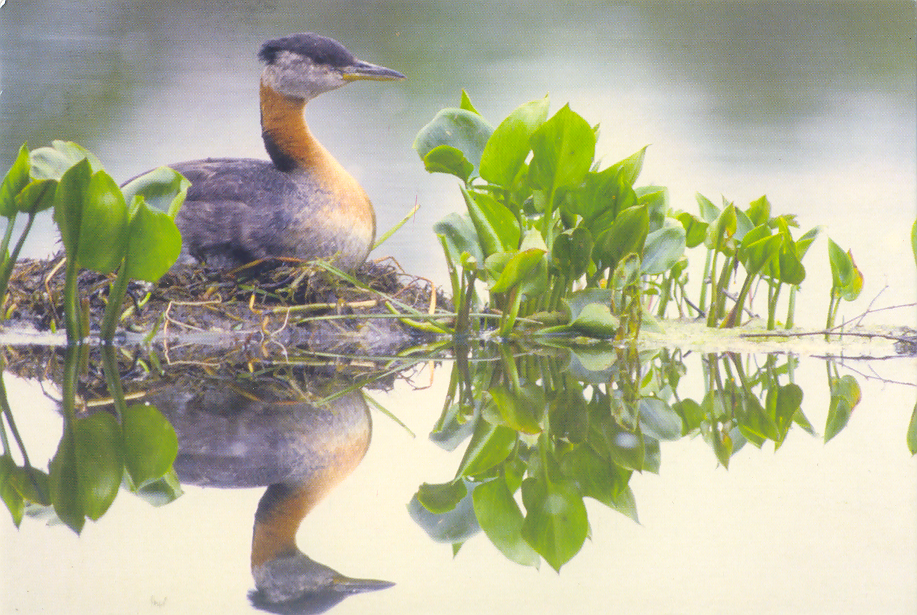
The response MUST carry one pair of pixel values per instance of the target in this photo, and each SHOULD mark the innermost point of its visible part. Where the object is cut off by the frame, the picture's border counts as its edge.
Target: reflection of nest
(303, 379)
(286, 301)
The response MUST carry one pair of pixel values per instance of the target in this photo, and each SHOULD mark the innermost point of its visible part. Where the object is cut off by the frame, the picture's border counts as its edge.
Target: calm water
(810, 103)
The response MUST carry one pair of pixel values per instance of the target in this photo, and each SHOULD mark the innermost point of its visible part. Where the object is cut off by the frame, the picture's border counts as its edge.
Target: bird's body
(302, 203)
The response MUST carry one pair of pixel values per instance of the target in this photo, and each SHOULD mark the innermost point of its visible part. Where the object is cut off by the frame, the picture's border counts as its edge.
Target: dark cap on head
(320, 49)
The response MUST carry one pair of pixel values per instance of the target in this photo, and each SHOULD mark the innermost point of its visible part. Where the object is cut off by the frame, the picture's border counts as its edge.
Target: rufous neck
(286, 136)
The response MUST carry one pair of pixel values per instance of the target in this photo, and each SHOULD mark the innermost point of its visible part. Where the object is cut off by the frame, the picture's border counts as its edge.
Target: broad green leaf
(36, 196)
(64, 483)
(518, 411)
(759, 211)
(631, 166)
(11, 497)
(489, 446)
(577, 301)
(692, 415)
(847, 279)
(555, 522)
(845, 395)
(103, 225)
(721, 233)
(441, 498)
(464, 130)
(658, 419)
(99, 462)
(455, 526)
(656, 200)
(755, 424)
(595, 320)
(626, 235)
(14, 181)
(500, 518)
(510, 143)
(161, 188)
(695, 229)
(517, 270)
(150, 444)
(162, 491)
(597, 478)
(663, 249)
(841, 267)
(760, 252)
(626, 504)
(447, 159)
(460, 236)
(563, 148)
(598, 200)
(68, 204)
(153, 243)
(496, 226)
(803, 243)
(52, 162)
(791, 270)
(569, 415)
(708, 211)
(787, 401)
(572, 252)
(626, 448)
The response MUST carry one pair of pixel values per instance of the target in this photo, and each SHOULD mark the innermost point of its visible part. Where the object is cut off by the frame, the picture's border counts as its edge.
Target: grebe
(302, 203)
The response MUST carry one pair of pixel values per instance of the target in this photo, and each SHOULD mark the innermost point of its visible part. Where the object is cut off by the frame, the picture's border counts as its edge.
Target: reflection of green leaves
(499, 516)
(99, 462)
(441, 498)
(489, 445)
(150, 444)
(86, 470)
(845, 395)
(454, 526)
(555, 523)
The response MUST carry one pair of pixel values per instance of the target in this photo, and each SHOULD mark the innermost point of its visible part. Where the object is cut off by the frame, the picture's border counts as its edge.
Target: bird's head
(306, 65)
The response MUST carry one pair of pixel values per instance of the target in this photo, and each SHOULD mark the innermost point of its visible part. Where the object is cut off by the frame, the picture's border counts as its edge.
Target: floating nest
(285, 301)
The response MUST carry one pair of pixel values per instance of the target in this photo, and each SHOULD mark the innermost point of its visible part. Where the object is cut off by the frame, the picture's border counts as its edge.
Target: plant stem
(14, 255)
(116, 293)
(72, 320)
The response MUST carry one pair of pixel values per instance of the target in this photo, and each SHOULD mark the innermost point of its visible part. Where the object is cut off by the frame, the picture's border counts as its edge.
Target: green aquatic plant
(846, 281)
(541, 428)
(20, 193)
(542, 221)
(762, 244)
(102, 227)
(131, 447)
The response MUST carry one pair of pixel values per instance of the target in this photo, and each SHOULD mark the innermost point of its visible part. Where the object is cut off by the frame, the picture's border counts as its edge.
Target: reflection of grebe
(303, 203)
(232, 438)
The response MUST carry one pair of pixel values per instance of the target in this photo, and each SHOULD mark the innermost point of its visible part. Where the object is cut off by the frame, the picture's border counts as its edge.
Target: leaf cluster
(103, 228)
(540, 215)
